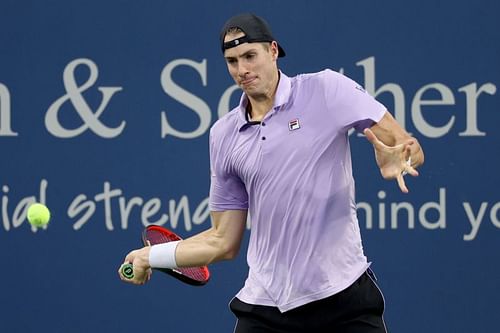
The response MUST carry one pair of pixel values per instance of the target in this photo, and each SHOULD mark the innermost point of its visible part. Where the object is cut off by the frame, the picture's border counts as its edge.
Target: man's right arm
(221, 242)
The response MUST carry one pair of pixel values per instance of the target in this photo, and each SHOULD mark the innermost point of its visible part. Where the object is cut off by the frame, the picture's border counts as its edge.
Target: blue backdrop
(105, 108)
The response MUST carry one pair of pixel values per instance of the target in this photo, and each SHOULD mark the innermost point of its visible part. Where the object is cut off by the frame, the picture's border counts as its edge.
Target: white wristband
(163, 255)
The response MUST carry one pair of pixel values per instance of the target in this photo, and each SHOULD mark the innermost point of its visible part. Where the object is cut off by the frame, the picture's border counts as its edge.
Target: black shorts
(357, 309)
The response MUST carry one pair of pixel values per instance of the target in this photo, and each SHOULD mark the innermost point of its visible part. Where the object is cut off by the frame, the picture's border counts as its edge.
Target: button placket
(264, 124)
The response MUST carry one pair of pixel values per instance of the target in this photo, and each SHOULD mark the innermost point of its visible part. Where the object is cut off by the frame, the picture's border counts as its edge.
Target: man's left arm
(397, 153)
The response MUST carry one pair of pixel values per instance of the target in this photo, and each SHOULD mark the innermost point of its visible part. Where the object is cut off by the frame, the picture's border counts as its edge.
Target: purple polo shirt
(293, 173)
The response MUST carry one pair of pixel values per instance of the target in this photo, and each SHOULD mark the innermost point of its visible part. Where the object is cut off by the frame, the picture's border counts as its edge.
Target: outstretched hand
(394, 162)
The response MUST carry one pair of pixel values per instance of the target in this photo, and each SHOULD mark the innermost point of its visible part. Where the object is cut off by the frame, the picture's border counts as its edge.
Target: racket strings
(155, 237)
(195, 273)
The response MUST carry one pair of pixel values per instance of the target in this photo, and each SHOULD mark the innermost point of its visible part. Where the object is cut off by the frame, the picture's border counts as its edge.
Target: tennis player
(282, 156)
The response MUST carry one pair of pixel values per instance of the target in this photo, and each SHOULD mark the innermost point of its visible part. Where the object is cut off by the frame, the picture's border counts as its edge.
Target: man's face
(253, 66)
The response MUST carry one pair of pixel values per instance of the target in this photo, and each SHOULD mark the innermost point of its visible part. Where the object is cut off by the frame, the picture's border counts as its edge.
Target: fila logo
(293, 125)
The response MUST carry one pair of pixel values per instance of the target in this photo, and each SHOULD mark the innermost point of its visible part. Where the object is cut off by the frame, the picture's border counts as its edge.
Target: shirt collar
(281, 98)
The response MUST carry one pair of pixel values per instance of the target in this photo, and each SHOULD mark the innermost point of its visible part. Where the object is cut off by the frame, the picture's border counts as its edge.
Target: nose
(242, 70)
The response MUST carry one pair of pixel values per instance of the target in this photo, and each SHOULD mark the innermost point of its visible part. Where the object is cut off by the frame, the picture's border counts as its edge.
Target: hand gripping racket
(153, 234)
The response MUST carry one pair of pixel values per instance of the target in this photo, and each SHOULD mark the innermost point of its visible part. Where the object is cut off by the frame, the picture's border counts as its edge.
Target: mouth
(248, 81)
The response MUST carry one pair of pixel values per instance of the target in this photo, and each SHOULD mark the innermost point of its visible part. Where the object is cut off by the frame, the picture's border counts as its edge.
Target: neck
(259, 106)
(257, 109)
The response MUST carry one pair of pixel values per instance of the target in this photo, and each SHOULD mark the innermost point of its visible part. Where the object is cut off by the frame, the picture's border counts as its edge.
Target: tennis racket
(154, 234)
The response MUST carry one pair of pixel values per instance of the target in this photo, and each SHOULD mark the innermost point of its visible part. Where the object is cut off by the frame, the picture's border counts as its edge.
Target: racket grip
(128, 271)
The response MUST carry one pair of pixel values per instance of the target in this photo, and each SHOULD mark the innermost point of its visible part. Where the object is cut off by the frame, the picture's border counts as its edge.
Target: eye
(231, 61)
(250, 56)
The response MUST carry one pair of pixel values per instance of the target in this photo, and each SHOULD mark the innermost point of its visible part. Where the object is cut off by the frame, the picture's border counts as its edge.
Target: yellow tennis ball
(38, 215)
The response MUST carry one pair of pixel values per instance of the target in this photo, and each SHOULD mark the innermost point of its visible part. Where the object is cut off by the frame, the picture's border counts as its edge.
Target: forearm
(220, 242)
(202, 249)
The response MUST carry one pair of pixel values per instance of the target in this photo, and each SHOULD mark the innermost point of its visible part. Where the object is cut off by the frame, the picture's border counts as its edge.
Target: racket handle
(128, 271)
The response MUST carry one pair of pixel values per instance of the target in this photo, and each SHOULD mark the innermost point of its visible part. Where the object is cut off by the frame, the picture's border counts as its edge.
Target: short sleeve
(352, 106)
(227, 191)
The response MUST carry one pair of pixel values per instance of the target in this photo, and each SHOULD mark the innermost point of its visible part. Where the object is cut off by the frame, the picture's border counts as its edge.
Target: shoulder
(226, 125)
(323, 83)
(317, 77)
(325, 78)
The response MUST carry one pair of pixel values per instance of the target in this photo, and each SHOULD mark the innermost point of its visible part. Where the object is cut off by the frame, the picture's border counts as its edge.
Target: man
(283, 155)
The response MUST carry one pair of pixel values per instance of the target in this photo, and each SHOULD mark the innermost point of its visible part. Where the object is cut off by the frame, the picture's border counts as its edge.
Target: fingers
(370, 136)
(402, 184)
(120, 272)
(141, 273)
(407, 152)
(139, 277)
(395, 161)
(130, 257)
(407, 169)
(410, 171)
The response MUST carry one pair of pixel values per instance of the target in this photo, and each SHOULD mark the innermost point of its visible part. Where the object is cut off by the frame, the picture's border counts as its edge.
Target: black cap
(255, 28)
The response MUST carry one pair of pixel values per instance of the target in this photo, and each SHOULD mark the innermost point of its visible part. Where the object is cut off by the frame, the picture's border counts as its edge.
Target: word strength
(110, 206)
(114, 209)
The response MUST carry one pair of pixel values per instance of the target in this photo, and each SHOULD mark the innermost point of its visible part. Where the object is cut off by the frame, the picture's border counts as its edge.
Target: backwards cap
(255, 28)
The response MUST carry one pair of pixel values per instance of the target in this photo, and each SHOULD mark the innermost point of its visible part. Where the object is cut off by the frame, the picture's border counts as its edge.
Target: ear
(274, 50)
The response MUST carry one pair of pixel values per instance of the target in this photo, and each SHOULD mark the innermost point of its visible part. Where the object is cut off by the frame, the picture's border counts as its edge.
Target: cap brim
(281, 52)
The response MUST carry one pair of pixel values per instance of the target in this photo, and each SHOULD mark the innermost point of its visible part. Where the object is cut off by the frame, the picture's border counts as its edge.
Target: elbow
(225, 249)
(229, 252)
(221, 249)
